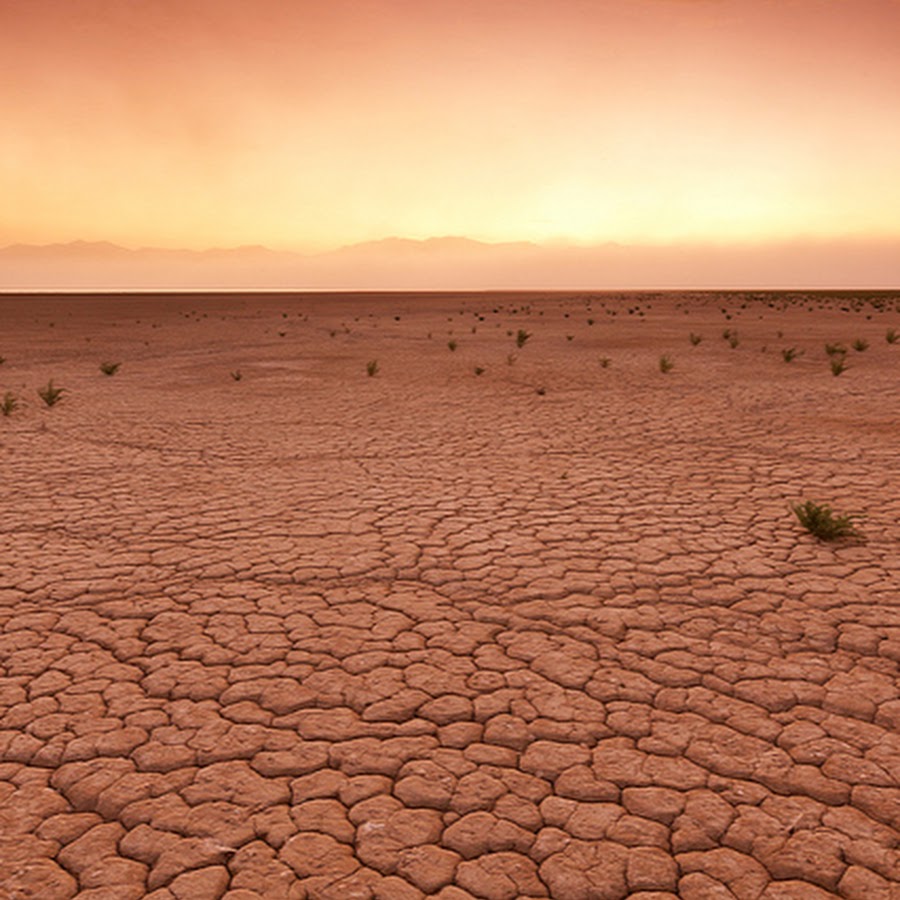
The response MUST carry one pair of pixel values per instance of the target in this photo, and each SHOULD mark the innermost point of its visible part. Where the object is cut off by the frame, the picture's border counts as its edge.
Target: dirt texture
(273, 627)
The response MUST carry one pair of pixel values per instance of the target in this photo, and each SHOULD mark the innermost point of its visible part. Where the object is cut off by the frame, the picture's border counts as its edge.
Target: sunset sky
(311, 124)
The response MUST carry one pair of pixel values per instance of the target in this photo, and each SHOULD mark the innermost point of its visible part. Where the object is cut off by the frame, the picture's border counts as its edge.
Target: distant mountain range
(454, 263)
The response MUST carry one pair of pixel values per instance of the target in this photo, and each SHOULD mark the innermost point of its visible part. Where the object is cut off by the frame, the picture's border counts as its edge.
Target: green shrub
(819, 520)
(522, 337)
(9, 404)
(50, 394)
(789, 354)
(838, 365)
(835, 349)
(860, 344)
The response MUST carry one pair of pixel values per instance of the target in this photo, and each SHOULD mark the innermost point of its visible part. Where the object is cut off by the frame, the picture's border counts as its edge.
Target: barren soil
(551, 630)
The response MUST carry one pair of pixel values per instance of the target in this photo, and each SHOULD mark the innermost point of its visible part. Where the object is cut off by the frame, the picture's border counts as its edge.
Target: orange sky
(310, 124)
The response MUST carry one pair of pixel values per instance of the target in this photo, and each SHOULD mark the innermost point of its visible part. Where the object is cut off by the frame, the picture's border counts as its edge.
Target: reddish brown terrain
(548, 631)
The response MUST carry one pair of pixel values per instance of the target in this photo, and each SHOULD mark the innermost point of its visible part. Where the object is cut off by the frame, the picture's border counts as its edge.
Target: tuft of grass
(838, 365)
(50, 394)
(9, 404)
(694, 339)
(860, 344)
(819, 520)
(236, 375)
(789, 354)
(479, 370)
(109, 368)
(452, 345)
(522, 337)
(665, 364)
(835, 350)
(372, 368)
(892, 336)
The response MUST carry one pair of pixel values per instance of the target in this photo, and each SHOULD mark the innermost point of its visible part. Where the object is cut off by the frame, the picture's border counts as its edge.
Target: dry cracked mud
(314, 634)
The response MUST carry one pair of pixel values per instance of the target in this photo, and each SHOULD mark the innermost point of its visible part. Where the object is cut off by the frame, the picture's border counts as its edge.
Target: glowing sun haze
(311, 124)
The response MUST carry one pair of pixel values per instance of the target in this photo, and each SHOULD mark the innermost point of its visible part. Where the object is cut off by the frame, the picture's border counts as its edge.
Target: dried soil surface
(547, 631)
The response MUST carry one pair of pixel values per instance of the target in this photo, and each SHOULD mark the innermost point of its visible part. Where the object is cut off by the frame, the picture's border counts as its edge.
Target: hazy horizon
(456, 263)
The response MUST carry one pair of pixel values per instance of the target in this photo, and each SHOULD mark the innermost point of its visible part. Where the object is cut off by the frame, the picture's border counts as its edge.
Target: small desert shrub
(452, 345)
(726, 334)
(835, 349)
(838, 365)
(9, 404)
(372, 367)
(892, 336)
(666, 364)
(789, 354)
(694, 339)
(236, 375)
(860, 344)
(479, 370)
(50, 394)
(819, 520)
(109, 368)
(604, 362)
(522, 337)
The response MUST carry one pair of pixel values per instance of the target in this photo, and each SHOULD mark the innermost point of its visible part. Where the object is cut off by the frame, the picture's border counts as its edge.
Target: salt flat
(550, 630)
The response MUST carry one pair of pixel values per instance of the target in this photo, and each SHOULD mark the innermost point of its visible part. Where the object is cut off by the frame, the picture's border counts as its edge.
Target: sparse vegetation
(838, 365)
(50, 394)
(479, 370)
(372, 368)
(819, 520)
(9, 404)
(452, 345)
(694, 339)
(892, 336)
(789, 354)
(860, 344)
(835, 349)
(109, 368)
(604, 362)
(522, 337)
(665, 364)
(236, 375)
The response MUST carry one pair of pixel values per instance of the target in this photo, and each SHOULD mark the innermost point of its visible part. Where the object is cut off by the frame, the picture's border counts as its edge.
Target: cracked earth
(547, 631)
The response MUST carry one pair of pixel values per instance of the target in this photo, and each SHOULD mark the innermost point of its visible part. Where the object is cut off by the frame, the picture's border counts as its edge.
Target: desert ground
(271, 626)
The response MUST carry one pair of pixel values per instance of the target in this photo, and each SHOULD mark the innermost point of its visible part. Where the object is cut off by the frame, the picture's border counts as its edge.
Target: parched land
(494, 621)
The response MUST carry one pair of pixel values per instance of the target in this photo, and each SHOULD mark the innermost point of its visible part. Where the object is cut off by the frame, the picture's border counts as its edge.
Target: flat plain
(495, 621)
